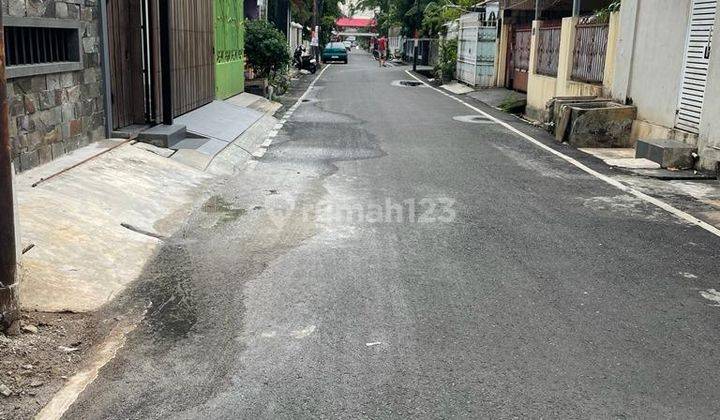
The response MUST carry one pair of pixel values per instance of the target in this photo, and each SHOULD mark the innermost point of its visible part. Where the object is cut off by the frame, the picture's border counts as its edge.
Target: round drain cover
(475, 119)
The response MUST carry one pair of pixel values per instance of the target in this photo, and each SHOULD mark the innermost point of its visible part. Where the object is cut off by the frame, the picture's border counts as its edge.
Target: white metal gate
(477, 37)
(697, 60)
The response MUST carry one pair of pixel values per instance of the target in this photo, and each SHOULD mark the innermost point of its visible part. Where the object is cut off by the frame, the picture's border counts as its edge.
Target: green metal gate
(229, 48)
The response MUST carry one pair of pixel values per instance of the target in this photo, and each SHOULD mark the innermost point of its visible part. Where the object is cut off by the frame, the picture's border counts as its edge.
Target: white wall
(709, 141)
(655, 70)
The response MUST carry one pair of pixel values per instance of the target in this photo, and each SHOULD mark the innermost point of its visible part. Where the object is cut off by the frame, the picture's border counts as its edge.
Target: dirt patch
(36, 363)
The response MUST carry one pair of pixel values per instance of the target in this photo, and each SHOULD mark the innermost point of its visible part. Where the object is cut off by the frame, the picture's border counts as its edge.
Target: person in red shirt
(382, 50)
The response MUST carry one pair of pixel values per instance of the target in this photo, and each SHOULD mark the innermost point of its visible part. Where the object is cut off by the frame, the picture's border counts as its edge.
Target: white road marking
(102, 354)
(711, 295)
(688, 275)
(303, 332)
(375, 343)
(617, 184)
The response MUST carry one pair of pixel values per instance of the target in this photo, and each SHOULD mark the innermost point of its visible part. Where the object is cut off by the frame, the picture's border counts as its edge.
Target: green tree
(265, 47)
(329, 11)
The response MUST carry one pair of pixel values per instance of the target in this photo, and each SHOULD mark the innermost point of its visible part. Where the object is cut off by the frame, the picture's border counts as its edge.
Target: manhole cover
(408, 83)
(475, 119)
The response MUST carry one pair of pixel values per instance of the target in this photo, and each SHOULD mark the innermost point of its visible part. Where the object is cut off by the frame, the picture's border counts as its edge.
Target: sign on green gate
(229, 48)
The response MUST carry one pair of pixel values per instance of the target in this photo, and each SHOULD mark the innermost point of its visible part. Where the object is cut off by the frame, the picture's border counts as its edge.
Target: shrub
(447, 61)
(265, 47)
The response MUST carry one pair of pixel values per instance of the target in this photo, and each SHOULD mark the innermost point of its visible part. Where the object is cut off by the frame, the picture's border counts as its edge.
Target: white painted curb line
(617, 184)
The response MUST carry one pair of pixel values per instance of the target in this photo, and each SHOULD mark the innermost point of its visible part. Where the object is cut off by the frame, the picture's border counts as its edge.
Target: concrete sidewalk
(93, 227)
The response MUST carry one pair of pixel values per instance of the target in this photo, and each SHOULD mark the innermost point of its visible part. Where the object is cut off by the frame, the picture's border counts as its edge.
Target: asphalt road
(385, 260)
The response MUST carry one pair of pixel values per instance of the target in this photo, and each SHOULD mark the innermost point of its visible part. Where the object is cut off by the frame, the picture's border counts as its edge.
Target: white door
(468, 30)
(697, 60)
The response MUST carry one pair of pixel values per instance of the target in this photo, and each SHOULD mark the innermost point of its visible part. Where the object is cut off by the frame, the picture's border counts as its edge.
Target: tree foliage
(265, 47)
(425, 16)
(447, 61)
(329, 11)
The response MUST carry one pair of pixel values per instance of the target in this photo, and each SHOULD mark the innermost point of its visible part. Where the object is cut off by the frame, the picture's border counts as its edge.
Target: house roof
(355, 22)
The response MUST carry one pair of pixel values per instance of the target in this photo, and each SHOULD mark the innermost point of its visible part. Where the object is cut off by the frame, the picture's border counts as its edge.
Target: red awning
(355, 22)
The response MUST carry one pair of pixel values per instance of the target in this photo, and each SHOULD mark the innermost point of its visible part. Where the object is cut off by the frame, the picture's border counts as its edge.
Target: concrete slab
(190, 143)
(219, 120)
(160, 151)
(610, 153)
(457, 88)
(68, 160)
(82, 255)
(192, 158)
(232, 158)
(668, 153)
(163, 135)
(243, 99)
(634, 163)
(497, 96)
(212, 147)
(255, 102)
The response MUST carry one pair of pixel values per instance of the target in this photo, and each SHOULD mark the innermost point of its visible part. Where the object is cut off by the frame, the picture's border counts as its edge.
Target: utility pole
(316, 31)
(576, 8)
(315, 13)
(415, 50)
(8, 247)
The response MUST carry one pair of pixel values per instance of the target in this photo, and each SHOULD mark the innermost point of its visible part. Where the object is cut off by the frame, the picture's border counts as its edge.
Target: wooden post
(8, 247)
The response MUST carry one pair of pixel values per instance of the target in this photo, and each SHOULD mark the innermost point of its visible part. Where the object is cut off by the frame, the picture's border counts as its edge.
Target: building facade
(83, 70)
(53, 58)
(667, 64)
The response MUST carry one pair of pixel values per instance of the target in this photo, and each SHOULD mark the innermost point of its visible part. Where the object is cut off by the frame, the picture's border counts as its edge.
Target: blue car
(335, 51)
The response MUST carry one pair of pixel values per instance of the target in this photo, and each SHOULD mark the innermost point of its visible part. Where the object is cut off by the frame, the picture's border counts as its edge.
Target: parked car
(335, 51)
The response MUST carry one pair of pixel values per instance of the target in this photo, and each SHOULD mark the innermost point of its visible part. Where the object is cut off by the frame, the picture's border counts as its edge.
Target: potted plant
(267, 54)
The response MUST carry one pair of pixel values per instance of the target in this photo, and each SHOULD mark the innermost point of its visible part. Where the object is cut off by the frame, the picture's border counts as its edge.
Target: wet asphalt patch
(407, 83)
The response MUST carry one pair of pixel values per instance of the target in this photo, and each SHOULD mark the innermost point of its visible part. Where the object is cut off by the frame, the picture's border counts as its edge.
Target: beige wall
(543, 88)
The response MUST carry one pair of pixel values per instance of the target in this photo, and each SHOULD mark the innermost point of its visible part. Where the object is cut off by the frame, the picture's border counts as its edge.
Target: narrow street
(385, 260)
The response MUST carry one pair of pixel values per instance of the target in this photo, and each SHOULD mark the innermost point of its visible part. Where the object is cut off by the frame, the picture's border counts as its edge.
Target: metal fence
(424, 49)
(548, 51)
(477, 48)
(589, 53)
(521, 49)
(395, 45)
